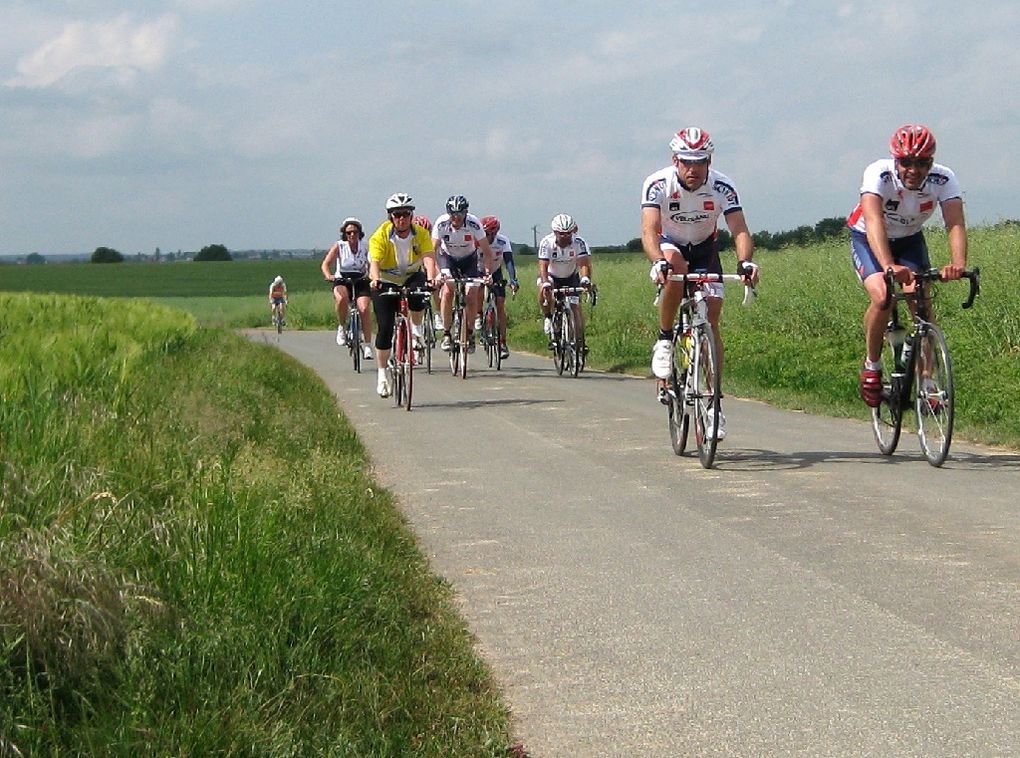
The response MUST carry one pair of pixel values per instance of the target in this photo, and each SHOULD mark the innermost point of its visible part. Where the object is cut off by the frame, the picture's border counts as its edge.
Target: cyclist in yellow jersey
(399, 254)
(278, 297)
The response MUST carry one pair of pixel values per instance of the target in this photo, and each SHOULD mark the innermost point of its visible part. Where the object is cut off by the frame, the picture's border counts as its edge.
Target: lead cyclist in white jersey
(680, 207)
(457, 236)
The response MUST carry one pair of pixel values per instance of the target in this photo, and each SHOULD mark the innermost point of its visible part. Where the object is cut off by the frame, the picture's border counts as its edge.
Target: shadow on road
(756, 459)
(469, 404)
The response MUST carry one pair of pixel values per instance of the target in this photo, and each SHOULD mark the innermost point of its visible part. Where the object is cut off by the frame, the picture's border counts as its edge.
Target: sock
(664, 335)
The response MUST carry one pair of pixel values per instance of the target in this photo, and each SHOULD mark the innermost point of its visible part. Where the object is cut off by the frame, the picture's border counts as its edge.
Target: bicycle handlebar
(973, 276)
(750, 291)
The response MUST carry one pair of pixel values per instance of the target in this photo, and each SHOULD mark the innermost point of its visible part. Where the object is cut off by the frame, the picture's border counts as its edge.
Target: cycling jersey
(905, 210)
(398, 259)
(502, 252)
(456, 243)
(689, 217)
(278, 291)
(562, 260)
(351, 261)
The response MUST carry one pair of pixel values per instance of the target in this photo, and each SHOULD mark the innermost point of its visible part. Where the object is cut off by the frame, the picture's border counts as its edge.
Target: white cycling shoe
(383, 387)
(718, 434)
(341, 336)
(366, 351)
(662, 359)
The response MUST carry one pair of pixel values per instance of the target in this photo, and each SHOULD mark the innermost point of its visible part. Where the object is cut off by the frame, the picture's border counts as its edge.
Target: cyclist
(399, 253)
(278, 298)
(437, 316)
(348, 259)
(680, 208)
(502, 252)
(457, 237)
(898, 195)
(564, 260)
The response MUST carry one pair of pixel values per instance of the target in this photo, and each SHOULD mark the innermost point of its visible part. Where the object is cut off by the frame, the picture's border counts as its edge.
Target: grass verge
(194, 561)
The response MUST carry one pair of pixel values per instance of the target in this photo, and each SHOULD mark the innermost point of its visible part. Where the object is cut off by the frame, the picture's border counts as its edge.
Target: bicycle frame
(921, 373)
(568, 344)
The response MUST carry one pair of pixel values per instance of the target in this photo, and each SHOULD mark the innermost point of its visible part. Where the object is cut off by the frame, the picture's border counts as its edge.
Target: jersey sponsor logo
(674, 206)
(726, 191)
(892, 205)
(690, 218)
(709, 205)
(938, 179)
(655, 189)
(927, 205)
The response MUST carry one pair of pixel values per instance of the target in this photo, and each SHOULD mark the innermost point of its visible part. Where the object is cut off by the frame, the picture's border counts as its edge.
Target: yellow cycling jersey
(383, 249)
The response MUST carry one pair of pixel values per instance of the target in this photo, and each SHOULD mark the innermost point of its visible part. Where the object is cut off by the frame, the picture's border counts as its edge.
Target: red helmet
(490, 224)
(912, 141)
(423, 221)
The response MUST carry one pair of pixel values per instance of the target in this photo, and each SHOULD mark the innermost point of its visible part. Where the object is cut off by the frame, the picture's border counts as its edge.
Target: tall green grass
(193, 560)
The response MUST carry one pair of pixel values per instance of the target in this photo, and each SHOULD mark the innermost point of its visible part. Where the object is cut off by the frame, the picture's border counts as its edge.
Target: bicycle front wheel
(934, 400)
(354, 339)
(463, 339)
(570, 339)
(676, 406)
(405, 363)
(706, 394)
(559, 354)
(887, 418)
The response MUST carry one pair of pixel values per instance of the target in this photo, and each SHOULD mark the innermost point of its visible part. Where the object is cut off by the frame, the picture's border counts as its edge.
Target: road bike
(352, 328)
(567, 340)
(693, 390)
(490, 330)
(278, 319)
(922, 369)
(459, 326)
(404, 357)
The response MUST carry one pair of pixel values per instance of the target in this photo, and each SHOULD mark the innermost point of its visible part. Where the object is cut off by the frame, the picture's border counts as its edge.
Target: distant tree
(106, 255)
(213, 253)
(35, 258)
(834, 226)
(634, 245)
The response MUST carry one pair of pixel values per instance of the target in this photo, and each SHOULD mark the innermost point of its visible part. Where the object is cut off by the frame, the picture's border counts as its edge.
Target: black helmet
(457, 204)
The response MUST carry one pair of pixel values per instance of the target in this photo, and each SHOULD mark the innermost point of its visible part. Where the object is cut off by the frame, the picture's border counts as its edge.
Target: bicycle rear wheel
(676, 407)
(935, 401)
(887, 418)
(706, 394)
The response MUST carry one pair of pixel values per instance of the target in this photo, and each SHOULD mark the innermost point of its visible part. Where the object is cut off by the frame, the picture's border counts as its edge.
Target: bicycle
(490, 330)
(569, 349)
(278, 319)
(922, 370)
(428, 336)
(694, 385)
(352, 328)
(400, 367)
(459, 327)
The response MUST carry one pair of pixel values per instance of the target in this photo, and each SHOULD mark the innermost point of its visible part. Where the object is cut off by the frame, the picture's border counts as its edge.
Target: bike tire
(887, 418)
(676, 407)
(354, 338)
(570, 338)
(405, 363)
(935, 401)
(559, 355)
(462, 338)
(706, 394)
(455, 345)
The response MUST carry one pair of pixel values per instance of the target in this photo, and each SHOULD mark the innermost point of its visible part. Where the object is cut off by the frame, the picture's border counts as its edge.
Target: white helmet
(351, 220)
(692, 144)
(563, 223)
(278, 280)
(399, 201)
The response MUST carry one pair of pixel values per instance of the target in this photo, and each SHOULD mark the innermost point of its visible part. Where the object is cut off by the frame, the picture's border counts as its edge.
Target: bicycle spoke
(935, 399)
(887, 418)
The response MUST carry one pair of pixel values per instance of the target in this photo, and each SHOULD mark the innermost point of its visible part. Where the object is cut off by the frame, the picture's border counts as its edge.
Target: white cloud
(122, 44)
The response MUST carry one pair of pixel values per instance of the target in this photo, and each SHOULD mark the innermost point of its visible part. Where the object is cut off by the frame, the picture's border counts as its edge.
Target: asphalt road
(808, 596)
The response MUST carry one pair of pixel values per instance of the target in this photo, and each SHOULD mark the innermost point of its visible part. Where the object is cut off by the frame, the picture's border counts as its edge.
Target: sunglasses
(350, 231)
(915, 162)
(401, 214)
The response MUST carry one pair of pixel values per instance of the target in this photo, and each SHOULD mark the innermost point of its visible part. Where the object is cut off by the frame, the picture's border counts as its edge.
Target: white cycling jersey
(905, 210)
(457, 243)
(350, 260)
(499, 245)
(562, 260)
(689, 218)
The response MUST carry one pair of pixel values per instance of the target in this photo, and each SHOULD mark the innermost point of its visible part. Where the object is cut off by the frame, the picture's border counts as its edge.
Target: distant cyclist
(347, 260)
(457, 237)
(399, 254)
(502, 252)
(564, 260)
(898, 195)
(278, 298)
(680, 208)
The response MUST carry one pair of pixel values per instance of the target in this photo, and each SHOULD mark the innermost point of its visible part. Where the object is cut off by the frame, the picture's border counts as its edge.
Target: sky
(260, 125)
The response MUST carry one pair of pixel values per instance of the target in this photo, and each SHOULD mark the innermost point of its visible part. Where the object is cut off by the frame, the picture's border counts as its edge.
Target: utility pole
(534, 232)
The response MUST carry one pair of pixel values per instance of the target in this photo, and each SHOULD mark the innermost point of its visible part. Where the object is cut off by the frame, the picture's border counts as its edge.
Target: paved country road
(808, 596)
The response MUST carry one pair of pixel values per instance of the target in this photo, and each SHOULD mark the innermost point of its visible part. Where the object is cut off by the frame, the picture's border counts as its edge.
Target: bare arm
(327, 261)
(952, 214)
(651, 233)
(742, 239)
